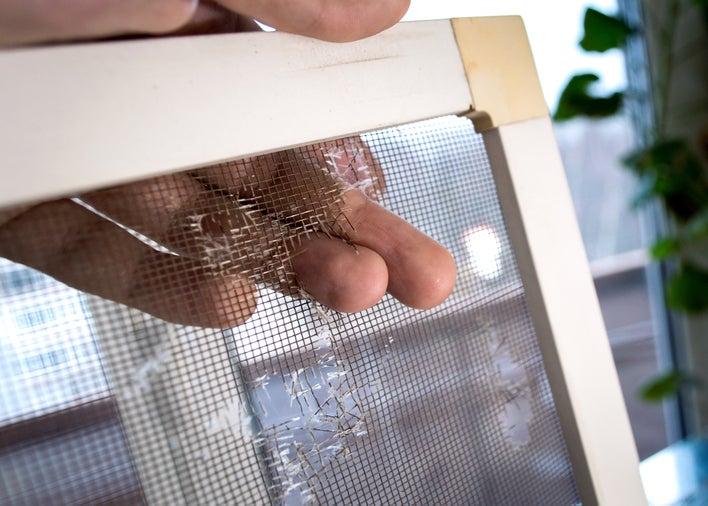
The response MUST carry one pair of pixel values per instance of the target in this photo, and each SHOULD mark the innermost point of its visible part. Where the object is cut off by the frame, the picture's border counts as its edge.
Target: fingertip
(366, 21)
(325, 20)
(341, 277)
(434, 280)
(421, 271)
(181, 291)
(233, 301)
(166, 16)
(24, 23)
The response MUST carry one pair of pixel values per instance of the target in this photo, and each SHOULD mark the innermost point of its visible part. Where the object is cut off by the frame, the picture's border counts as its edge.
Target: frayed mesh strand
(258, 394)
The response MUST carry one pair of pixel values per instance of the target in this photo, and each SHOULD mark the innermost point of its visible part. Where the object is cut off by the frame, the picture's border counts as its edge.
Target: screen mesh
(203, 397)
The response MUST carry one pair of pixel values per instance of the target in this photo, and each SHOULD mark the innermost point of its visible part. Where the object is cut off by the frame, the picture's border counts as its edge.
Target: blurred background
(641, 256)
(652, 344)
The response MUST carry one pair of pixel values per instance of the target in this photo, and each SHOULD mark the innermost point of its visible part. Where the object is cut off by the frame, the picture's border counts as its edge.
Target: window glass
(47, 351)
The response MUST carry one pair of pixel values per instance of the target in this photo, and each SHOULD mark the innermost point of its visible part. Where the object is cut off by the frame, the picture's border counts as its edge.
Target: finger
(339, 276)
(148, 206)
(32, 21)
(286, 185)
(92, 254)
(8, 213)
(211, 17)
(331, 20)
(211, 227)
(303, 200)
(290, 259)
(185, 291)
(421, 272)
(294, 184)
(351, 161)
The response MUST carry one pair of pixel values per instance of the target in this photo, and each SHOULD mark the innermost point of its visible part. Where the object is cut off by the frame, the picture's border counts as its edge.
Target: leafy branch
(668, 169)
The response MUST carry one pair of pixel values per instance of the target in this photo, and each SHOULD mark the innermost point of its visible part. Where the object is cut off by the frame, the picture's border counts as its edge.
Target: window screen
(101, 403)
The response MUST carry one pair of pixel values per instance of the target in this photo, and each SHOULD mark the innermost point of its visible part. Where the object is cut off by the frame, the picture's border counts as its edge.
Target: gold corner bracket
(500, 70)
(480, 119)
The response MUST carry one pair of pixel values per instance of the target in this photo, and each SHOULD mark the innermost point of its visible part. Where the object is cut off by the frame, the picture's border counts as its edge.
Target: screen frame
(92, 115)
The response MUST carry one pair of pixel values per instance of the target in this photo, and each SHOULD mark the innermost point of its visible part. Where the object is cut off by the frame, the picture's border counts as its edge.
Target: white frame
(73, 110)
(110, 106)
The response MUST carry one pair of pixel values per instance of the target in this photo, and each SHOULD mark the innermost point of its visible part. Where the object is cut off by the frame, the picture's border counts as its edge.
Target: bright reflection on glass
(484, 251)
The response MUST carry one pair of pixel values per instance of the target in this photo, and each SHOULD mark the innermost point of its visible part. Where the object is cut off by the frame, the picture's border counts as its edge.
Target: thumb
(33, 21)
(331, 20)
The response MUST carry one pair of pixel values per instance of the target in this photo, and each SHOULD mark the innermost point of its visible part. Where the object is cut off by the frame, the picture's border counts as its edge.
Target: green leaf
(697, 227)
(645, 191)
(688, 290)
(671, 171)
(663, 386)
(603, 32)
(702, 5)
(575, 100)
(665, 247)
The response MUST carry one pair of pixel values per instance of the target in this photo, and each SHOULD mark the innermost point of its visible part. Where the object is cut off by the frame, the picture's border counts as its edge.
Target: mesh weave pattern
(102, 403)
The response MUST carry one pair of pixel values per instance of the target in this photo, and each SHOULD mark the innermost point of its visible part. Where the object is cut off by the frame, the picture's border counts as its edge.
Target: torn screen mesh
(103, 403)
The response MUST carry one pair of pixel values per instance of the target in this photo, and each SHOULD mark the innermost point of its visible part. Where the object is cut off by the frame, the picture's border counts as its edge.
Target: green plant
(667, 167)
(665, 385)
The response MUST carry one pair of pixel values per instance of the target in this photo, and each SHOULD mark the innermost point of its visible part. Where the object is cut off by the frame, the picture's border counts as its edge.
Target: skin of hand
(40, 21)
(72, 244)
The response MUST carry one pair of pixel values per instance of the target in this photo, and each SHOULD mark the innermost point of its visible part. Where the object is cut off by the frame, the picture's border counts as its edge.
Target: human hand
(277, 219)
(34, 21)
(86, 251)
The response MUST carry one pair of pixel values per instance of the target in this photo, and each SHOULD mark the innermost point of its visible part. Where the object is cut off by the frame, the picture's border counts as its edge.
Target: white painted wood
(541, 223)
(85, 116)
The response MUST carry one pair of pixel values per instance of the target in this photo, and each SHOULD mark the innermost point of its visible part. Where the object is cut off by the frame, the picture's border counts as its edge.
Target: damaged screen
(274, 399)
